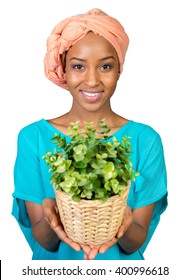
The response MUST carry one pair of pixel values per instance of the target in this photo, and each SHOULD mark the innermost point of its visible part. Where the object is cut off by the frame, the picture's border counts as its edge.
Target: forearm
(133, 238)
(45, 236)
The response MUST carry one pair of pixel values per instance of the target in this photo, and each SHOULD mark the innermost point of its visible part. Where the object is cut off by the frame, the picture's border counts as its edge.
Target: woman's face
(92, 71)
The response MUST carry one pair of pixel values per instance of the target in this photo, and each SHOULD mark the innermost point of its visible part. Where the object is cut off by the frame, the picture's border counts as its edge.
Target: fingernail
(120, 235)
(53, 224)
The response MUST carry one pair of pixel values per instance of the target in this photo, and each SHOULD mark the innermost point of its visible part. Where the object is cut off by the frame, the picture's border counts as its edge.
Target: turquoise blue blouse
(32, 183)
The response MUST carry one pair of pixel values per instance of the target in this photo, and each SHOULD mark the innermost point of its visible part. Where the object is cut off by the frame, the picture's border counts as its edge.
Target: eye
(106, 67)
(78, 67)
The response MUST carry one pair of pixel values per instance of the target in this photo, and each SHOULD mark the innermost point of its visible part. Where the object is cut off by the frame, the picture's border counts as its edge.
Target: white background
(152, 89)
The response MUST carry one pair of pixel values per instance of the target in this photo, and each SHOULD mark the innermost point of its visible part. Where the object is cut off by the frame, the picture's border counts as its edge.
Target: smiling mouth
(91, 94)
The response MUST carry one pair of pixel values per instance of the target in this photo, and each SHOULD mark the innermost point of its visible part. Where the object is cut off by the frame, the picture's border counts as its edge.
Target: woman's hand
(102, 248)
(51, 215)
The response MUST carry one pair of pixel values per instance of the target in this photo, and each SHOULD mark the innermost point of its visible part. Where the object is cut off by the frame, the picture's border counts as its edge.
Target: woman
(85, 55)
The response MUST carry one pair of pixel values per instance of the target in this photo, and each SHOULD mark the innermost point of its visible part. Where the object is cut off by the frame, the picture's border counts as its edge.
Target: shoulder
(139, 130)
(143, 135)
(31, 129)
(30, 134)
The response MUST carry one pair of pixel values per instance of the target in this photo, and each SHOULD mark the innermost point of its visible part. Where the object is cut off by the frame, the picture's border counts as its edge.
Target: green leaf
(82, 180)
(107, 186)
(86, 194)
(109, 171)
(115, 185)
(69, 181)
(80, 164)
(76, 198)
(100, 193)
(61, 168)
(79, 152)
(110, 149)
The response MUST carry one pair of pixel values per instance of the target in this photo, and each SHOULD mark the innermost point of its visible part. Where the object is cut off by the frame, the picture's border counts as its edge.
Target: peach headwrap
(72, 29)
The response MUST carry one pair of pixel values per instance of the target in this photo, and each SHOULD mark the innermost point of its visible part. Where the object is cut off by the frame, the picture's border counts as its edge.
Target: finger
(93, 252)
(104, 247)
(49, 203)
(85, 248)
(127, 220)
(63, 236)
(123, 228)
(86, 257)
(50, 213)
(121, 231)
(56, 209)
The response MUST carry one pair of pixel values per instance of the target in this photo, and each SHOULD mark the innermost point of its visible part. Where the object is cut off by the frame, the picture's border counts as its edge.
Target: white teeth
(90, 94)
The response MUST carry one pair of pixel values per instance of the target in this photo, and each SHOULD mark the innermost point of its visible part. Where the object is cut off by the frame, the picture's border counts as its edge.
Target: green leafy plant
(92, 165)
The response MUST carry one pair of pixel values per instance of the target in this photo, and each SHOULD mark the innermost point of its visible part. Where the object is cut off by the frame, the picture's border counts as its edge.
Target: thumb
(127, 220)
(50, 212)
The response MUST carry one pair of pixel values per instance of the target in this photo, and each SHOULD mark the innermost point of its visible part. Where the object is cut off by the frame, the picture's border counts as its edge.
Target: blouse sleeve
(151, 185)
(28, 184)
(27, 174)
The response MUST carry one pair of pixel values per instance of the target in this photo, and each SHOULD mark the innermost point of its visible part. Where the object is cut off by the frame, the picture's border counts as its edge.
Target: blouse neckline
(55, 130)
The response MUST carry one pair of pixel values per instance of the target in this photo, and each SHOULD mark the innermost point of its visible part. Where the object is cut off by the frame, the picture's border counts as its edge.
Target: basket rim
(90, 202)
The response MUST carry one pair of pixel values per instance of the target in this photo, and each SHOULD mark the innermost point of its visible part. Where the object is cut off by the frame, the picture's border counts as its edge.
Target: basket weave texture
(91, 222)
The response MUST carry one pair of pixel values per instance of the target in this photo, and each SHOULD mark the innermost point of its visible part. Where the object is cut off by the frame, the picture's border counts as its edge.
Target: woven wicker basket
(91, 222)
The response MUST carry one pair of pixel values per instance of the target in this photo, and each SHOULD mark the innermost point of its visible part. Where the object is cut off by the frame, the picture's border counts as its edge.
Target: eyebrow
(101, 59)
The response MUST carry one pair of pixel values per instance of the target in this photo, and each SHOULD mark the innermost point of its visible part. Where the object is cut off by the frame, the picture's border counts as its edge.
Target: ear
(118, 75)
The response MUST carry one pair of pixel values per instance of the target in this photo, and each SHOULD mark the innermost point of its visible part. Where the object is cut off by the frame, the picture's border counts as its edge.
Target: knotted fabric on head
(71, 30)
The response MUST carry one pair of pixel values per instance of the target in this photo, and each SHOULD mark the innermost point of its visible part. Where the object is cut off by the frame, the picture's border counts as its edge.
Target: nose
(92, 78)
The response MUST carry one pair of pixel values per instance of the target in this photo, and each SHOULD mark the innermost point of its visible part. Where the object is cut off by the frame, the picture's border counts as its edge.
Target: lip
(91, 95)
